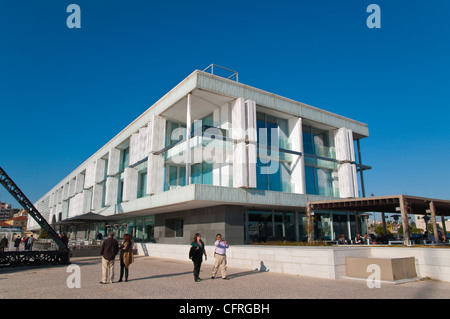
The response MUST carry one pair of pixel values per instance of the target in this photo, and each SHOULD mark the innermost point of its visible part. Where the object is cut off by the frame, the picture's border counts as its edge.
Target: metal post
(360, 169)
(188, 140)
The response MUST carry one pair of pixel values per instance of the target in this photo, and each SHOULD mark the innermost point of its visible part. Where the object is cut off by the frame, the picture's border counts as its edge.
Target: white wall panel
(251, 121)
(155, 174)
(72, 184)
(112, 186)
(238, 119)
(89, 178)
(297, 165)
(130, 181)
(156, 130)
(65, 195)
(99, 174)
(345, 151)
(113, 161)
(251, 153)
(240, 172)
(97, 196)
(79, 185)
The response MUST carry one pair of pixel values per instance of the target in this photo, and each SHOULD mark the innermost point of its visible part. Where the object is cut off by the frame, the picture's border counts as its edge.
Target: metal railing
(234, 74)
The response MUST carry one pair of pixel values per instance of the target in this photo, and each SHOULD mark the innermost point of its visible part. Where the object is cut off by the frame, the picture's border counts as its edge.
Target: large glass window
(319, 181)
(174, 132)
(124, 158)
(316, 142)
(175, 176)
(201, 173)
(266, 226)
(142, 184)
(271, 172)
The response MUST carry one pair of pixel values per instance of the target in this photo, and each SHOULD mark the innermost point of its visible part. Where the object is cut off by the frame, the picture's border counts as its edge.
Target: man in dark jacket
(108, 250)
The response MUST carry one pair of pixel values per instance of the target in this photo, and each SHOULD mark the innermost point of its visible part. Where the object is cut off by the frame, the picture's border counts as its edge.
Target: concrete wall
(322, 262)
(209, 221)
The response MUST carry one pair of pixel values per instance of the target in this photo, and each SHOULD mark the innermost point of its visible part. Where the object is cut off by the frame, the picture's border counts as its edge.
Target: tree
(44, 235)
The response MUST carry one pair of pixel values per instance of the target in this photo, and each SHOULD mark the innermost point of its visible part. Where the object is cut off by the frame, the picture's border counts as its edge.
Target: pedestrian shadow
(162, 276)
(243, 274)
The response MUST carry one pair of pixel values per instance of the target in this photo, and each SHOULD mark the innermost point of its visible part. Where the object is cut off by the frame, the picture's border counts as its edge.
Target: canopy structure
(85, 219)
(403, 204)
(82, 219)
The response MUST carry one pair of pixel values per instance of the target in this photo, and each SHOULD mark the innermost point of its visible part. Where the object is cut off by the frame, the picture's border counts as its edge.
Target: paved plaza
(155, 278)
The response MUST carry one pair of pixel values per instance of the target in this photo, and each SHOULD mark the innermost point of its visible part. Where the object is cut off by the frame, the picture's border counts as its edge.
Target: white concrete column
(188, 139)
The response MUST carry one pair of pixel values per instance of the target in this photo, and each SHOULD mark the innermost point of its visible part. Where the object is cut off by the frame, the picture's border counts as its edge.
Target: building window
(266, 226)
(124, 158)
(175, 176)
(272, 168)
(142, 184)
(174, 227)
(202, 173)
(319, 181)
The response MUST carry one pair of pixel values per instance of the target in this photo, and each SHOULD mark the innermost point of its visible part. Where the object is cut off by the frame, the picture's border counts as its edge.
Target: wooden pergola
(403, 204)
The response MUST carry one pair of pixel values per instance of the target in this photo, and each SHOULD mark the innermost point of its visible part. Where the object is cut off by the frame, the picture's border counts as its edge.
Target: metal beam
(20, 197)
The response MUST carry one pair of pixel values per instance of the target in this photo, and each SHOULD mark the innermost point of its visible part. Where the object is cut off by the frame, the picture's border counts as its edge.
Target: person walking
(30, 243)
(17, 242)
(126, 256)
(220, 257)
(108, 250)
(196, 254)
(3, 243)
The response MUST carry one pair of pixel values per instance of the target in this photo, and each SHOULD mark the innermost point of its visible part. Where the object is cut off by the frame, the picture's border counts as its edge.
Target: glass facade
(272, 166)
(269, 225)
(320, 169)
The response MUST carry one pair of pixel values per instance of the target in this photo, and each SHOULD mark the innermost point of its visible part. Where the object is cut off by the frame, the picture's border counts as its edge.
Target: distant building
(5, 211)
(18, 222)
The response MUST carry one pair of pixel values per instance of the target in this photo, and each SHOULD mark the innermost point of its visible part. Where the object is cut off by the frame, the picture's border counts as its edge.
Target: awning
(385, 204)
(83, 219)
(403, 204)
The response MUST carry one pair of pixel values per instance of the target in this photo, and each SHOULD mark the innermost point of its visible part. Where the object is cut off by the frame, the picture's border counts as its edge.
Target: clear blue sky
(64, 93)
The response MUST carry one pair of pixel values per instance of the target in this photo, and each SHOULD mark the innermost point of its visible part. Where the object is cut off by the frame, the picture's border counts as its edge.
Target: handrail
(234, 73)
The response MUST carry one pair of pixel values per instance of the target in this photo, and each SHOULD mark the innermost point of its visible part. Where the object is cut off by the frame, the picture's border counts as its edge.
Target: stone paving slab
(155, 278)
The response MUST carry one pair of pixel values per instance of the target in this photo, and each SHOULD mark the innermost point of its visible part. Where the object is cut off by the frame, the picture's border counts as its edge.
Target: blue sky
(64, 93)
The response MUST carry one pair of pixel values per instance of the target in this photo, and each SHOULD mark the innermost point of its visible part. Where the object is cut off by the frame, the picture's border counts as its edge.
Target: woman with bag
(196, 254)
(126, 256)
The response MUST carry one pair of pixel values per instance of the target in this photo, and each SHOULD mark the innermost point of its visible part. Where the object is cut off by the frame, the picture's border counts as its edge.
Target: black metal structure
(61, 256)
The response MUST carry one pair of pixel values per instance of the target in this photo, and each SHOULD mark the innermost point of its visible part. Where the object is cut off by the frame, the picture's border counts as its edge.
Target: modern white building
(217, 156)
